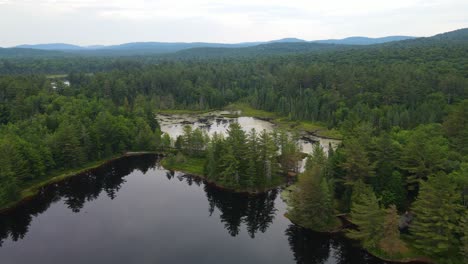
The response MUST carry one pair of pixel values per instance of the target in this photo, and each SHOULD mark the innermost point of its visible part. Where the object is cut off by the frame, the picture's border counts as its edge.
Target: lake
(134, 211)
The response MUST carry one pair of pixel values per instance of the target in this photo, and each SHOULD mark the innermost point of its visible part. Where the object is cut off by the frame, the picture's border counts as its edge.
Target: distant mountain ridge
(164, 47)
(216, 50)
(364, 40)
(50, 46)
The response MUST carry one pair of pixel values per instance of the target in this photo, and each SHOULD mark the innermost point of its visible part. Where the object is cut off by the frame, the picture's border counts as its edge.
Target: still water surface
(133, 211)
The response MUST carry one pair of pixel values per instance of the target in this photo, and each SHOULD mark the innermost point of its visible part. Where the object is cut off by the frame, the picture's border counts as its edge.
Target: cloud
(96, 22)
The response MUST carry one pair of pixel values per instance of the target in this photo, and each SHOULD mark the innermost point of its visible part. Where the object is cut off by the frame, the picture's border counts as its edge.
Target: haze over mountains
(163, 47)
(197, 50)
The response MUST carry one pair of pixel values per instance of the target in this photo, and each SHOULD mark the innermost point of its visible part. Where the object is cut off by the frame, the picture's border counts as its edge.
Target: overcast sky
(88, 22)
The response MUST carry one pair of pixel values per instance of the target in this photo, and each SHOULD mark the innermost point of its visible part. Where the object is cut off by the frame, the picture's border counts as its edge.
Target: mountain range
(245, 49)
(165, 47)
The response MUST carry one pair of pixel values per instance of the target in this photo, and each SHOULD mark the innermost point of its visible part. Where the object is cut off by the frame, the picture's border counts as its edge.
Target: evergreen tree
(436, 226)
(267, 156)
(425, 153)
(357, 165)
(67, 148)
(311, 201)
(391, 243)
(367, 215)
(317, 158)
(252, 157)
(385, 155)
(464, 238)
(290, 151)
(230, 167)
(456, 127)
(187, 142)
(216, 148)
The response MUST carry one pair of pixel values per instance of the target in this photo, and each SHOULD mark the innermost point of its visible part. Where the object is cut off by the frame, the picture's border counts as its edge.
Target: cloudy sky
(88, 22)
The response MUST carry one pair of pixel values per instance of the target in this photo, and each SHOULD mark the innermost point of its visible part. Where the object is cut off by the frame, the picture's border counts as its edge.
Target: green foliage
(367, 215)
(425, 153)
(290, 151)
(456, 127)
(464, 239)
(243, 161)
(391, 243)
(438, 212)
(388, 101)
(312, 200)
(45, 131)
(357, 165)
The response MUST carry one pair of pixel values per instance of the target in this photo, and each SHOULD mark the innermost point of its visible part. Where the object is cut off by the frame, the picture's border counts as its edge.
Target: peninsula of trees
(249, 162)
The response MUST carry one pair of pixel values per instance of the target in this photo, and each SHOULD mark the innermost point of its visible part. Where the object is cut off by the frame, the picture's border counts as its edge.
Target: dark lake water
(133, 211)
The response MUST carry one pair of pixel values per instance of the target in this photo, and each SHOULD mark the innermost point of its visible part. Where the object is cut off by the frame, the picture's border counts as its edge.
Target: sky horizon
(89, 22)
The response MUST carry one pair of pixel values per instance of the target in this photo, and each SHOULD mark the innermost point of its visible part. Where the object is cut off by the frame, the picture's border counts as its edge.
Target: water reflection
(311, 247)
(255, 211)
(151, 222)
(75, 192)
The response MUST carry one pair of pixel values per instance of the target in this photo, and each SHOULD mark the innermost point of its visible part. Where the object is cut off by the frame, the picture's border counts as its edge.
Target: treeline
(375, 174)
(242, 161)
(44, 131)
(381, 93)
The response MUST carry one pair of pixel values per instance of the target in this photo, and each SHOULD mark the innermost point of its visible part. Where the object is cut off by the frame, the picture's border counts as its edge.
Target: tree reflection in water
(314, 248)
(75, 192)
(256, 211)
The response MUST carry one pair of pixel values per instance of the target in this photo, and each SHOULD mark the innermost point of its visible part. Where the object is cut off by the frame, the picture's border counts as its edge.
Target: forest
(401, 109)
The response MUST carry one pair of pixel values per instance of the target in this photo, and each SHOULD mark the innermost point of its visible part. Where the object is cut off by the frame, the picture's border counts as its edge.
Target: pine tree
(290, 151)
(237, 141)
(425, 153)
(357, 165)
(317, 158)
(230, 167)
(267, 155)
(367, 215)
(456, 127)
(165, 142)
(391, 243)
(312, 201)
(437, 211)
(464, 238)
(187, 141)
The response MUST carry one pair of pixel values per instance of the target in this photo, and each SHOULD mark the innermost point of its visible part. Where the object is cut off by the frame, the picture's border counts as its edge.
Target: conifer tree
(267, 155)
(311, 201)
(437, 210)
(464, 238)
(391, 243)
(367, 215)
(357, 165)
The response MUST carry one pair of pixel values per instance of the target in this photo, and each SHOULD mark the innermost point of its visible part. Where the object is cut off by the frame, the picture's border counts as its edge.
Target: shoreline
(217, 185)
(341, 231)
(31, 191)
(273, 118)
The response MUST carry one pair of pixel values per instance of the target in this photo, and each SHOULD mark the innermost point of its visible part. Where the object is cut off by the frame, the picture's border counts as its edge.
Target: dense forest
(401, 108)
